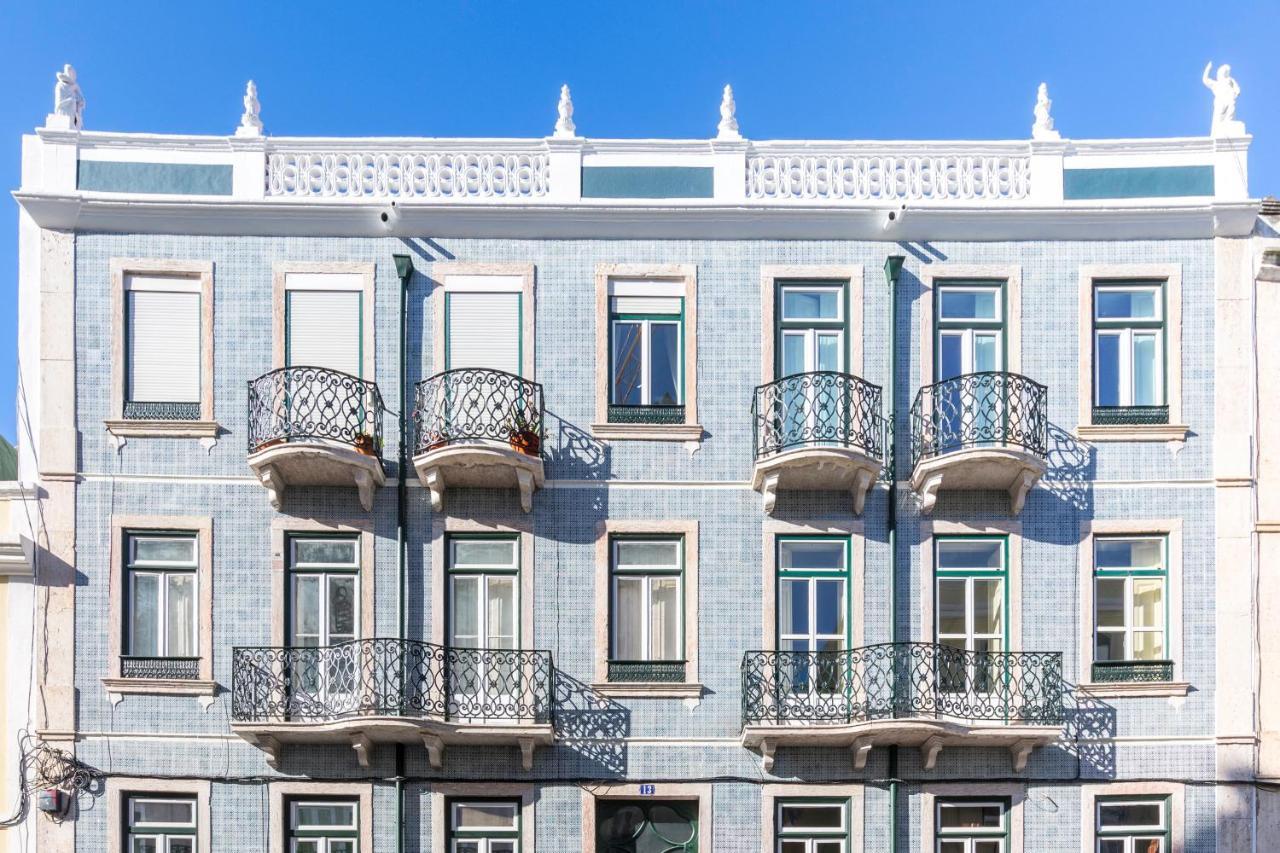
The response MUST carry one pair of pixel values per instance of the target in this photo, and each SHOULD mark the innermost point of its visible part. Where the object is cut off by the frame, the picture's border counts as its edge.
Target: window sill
(1127, 689)
(647, 689)
(1132, 432)
(163, 429)
(647, 432)
(117, 688)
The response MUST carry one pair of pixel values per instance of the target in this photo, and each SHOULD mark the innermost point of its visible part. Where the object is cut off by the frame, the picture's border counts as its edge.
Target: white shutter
(164, 346)
(484, 331)
(324, 329)
(645, 305)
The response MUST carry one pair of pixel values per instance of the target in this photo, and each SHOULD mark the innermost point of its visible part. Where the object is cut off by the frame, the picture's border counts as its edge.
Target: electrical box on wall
(50, 800)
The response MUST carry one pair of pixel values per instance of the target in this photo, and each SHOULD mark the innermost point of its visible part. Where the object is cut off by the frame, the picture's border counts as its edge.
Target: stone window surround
(691, 430)
(1171, 529)
(119, 786)
(281, 529)
(770, 276)
(1011, 274)
(605, 530)
(278, 819)
(774, 529)
(1175, 432)
(117, 686)
(280, 270)
(1176, 792)
(441, 528)
(206, 428)
(934, 529)
(527, 794)
(771, 793)
(1015, 793)
(699, 792)
(440, 272)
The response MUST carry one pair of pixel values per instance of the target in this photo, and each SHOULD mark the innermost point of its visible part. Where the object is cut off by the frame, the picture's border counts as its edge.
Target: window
(160, 825)
(484, 826)
(640, 826)
(647, 609)
(323, 826)
(972, 826)
(483, 615)
(484, 328)
(969, 328)
(324, 620)
(1125, 825)
(813, 611)
(1130, 601)
(161, 595)
(971, 602)
(811, 328)
(646, 344)
(163, 353)
(812, 826)
(323, 325)
(1129, 353)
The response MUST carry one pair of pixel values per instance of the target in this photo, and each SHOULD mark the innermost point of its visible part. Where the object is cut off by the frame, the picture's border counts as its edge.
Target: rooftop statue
(728, 127)
(1043, 126)
(564, 110)
(250, 121)
(68, 101)
(1225, 91)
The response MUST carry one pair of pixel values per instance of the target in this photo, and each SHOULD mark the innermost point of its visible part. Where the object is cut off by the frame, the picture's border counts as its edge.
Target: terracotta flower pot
(364, 444)
(525, 441)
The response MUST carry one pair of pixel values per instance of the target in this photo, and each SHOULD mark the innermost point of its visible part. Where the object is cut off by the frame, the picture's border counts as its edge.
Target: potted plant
(522, 432)
(433, 440)
(364, 444)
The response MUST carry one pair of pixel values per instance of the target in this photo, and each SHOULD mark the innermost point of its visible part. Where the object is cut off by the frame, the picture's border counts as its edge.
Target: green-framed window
(646, 359)
(1132, 824)
(323, 825)
(642, 826)
(161, 594)
(812, 326)
(1129, 352)
(163, 347)
(969, 327)
(484, 590)
(160, 824)
(971, 825)
(324, 589)
(812, 826)
(971, 603)
(814, 608)
(1131, 608)
(483, 826)
(646, 608)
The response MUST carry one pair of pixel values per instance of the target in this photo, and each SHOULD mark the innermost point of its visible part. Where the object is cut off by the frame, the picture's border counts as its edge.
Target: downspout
(404, 269)
(892, 272)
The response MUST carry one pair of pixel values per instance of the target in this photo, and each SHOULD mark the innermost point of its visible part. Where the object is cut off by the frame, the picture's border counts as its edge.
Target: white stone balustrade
(427, 175)
(820, 176)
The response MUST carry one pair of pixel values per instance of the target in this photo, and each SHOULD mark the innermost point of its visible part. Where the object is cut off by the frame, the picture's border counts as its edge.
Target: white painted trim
(441, 791)
(1089, 795)
(278, 818)
(929, 276)
(120, 786)
(1015, 792)
(771, 793)
(930, 530)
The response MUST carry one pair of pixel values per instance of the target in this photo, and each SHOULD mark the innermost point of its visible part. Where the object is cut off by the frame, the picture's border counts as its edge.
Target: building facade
(610, 495)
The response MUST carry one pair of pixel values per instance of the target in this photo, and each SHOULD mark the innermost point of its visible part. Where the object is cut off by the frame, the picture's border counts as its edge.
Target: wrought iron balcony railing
(478, 405)
(314, 403)
(186, 669)
(661, 671)
(818, 409)
(990, 409)
(1126, 415)
(1127, 671)
(901, 680)
(392, 678)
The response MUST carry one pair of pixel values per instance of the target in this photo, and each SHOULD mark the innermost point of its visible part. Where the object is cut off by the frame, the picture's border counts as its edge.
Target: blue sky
(938, 70)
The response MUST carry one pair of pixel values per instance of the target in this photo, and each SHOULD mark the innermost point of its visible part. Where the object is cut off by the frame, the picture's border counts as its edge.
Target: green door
(647, 826)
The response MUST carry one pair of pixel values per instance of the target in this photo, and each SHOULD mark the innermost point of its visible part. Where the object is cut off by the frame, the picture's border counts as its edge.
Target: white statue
(1043, 126)
(728, 127)
(565, 128)
(68, 102)
(1225, 91)
(250, 121)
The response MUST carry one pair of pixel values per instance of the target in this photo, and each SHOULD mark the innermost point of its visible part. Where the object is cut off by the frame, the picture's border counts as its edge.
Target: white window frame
(810, 837)
(837, 289)
(1113, 327)
(322, 572)
(1162, 832)
(341, 832)
(970, 835)
(948, 287)
(969, 575)
(485, 844)
(164, 834)
(1128, 576)
(647, 574)
(162, 570)
(646, 358)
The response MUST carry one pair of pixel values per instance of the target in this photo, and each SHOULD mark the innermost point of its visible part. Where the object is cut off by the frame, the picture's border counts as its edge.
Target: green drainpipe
(892, 272)
(404, 269)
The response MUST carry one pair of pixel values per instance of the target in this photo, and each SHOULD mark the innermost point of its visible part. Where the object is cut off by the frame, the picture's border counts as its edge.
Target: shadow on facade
(1089, 732)
(592, 727)
(1072, 466)
(571, 453)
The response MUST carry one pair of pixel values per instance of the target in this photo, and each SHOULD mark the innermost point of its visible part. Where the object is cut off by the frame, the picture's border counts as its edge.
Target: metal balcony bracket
(929, 752)
(434, 481)
(527, 745)
(767, 747)
(769, 493)
(929, 493)
(435, 750)
(1020, 752)
(859, 750)
(363, 746)
(270, 478)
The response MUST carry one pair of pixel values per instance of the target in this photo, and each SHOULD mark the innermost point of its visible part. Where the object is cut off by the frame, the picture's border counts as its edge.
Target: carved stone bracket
(434, 481)
(767, 747)
(862, 482)
(527, 745)
(769, 492)
(272, 748)
(435, 750)
(929, 752)
(270, 478)
(929, 493)
(524, 482)
(859, 750)
(363, 747)
(1019, 490)
(1019, 753)
(365, 488)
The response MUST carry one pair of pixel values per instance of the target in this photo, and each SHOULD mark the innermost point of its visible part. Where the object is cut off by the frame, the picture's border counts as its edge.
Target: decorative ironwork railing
(895, 680)
(661, 671)
(477, 405)
(392, 678)
(1124, 671)
(1111, 415)
(151, 411)
(816, 409)
(990, 409)
(853, 177)
(408, 174)
(307, 403)
(186, 669)
(620, 414)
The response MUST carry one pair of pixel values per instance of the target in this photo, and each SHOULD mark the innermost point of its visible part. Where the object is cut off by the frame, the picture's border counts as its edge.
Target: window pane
(793, 354)
(970, 554)
(812, 817)
(484, 552)
(988, 606)
(498, 845)
(829, 352)
(644, 552)
(970, 816)
(989, 846)
(793, 606)
(306, 845)
(144, 636)
(466, 597)
(951, 606)
(968, 305)
(952, 847)
(324, 814)
(1148, 603)
(324, 552)
(1125, 304)
(986, 353)
(486, 815)
(1109, 645)
(461, 846)
(144, 845)
(181, 615)
(183, 844)
(342, 606)
(1145, 371)
(812, 555)
(1129, 553)
(341, 846)
(1148, 645)
(950, 356)
(629, 618)
(664, 630)
(1108, 378)
(1112, 845)
(165, 550)
(1109, 602)
(1116, 815)
(794, 847)
(829, 605)
(828, 847)
(626, 363)
(502, 612)
(810, 304)
(169, 812)
(664, 363)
